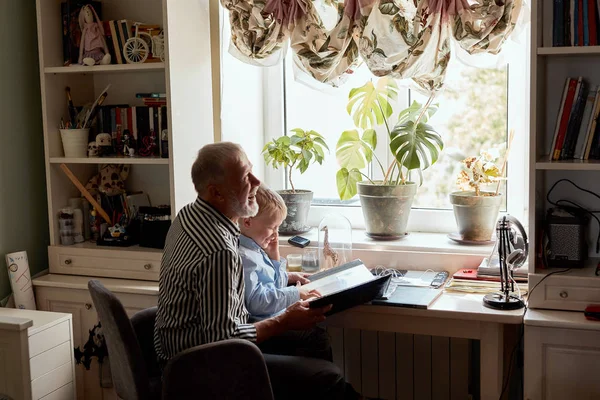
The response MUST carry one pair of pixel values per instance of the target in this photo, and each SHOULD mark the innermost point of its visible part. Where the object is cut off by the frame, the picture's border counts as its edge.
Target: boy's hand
(299, 316)
(306, 294)
(295, 277)
(272, 248)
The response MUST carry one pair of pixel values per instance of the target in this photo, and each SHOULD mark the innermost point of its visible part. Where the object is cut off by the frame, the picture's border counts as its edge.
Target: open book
(346, 286)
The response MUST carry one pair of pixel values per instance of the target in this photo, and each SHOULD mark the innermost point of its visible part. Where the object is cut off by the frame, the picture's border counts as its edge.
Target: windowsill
(414, 242)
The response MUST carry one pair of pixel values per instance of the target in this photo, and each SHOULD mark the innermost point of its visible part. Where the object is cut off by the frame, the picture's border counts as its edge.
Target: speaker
(566, 232)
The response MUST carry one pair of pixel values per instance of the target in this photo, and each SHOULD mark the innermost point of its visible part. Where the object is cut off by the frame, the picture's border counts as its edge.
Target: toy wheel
(135, 51)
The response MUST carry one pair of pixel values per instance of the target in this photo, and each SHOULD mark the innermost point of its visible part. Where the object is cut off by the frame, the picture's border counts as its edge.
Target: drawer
(50, 360)
(53, 380)
(114, 263)
(573, 294)
(62, 393)
(47, 339)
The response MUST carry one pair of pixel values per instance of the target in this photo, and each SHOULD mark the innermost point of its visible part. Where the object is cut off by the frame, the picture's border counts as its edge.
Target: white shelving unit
(187, 78)
(560, 350)
(550, 67)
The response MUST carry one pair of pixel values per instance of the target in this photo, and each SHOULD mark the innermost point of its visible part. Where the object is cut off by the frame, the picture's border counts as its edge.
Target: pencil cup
(75, 142)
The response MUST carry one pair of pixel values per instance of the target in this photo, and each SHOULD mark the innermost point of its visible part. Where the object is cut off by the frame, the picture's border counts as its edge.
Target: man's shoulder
(207, 234)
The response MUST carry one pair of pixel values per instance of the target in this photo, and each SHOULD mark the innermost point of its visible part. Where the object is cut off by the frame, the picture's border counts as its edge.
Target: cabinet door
(79, 304)
(561, 364)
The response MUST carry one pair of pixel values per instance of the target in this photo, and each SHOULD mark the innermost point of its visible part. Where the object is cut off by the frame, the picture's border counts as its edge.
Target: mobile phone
(299, 241)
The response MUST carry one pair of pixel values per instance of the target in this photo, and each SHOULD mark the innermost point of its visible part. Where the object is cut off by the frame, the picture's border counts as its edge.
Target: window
(476, 110)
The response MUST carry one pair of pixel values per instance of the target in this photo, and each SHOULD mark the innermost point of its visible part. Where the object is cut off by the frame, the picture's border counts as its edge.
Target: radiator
(391, 365)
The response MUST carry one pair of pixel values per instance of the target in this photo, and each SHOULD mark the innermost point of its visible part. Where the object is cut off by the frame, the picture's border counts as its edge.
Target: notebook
(409, 296)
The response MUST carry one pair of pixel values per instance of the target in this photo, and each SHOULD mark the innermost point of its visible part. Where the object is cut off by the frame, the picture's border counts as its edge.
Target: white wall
(23, 207)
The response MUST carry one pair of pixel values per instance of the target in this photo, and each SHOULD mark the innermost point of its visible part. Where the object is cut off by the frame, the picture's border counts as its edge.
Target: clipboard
(346, 286)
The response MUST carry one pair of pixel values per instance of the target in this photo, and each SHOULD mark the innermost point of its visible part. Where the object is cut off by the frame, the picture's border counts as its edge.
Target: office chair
(225, 370)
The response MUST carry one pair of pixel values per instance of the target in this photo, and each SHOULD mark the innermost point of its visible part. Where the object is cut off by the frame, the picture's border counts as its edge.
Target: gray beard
(242, 210)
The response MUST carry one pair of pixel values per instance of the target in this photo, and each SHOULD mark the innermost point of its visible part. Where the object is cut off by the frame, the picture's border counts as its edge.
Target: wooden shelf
(567, 51)
(111, 160)
(78, 69)
(567, 165)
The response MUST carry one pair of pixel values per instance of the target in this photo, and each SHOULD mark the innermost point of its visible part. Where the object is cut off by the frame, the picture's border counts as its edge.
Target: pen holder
(75, 142)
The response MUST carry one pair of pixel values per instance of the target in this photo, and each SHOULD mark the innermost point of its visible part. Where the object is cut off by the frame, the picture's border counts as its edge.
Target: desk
(456, 315)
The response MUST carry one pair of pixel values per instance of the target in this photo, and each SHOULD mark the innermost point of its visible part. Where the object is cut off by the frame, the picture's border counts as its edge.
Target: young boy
(265, 276)
(266, 280)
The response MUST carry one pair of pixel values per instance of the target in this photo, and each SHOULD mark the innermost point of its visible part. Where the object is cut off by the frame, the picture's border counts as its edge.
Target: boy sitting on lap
(266, 280)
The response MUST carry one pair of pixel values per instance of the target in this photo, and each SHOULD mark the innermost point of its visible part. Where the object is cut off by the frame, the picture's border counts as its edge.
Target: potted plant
(413, 144)
(297, 151)
(476, 205)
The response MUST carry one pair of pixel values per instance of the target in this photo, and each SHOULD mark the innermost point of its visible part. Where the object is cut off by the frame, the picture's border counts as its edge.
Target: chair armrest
(225, 370)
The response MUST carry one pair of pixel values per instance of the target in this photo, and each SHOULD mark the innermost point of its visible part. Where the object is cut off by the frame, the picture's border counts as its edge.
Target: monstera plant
(414, 146)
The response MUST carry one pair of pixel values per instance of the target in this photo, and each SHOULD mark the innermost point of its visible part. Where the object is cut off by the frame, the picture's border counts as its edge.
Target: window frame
(421, 219)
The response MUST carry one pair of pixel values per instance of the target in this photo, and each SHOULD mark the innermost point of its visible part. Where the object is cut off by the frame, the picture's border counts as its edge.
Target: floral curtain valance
(399, 38)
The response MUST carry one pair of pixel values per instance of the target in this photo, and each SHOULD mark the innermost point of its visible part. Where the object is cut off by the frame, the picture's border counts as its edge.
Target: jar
(66, 226)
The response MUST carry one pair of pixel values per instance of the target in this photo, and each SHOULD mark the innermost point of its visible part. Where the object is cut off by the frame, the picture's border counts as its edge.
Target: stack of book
(574, 22)
(485, 279)
(576, 133)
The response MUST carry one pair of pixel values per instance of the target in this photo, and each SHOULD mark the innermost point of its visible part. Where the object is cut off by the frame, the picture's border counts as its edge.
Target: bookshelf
(550, 67)
(80, 69)
(186, 77)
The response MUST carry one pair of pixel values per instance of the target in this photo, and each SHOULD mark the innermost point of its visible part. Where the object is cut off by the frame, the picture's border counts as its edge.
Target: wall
(23, 205)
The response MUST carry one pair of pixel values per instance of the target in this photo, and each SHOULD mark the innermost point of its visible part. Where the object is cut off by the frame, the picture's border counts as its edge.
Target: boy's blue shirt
(266, 291)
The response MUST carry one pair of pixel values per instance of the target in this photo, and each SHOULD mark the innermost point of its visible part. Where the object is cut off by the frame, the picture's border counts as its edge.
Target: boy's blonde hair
(269, 201)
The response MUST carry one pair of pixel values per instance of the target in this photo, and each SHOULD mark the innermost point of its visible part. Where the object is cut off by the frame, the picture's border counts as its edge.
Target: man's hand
(299, 316)
(306, 294)
(272, 248)
(294, 277)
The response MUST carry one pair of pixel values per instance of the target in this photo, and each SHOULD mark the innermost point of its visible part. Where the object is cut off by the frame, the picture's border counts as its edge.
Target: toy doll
(92, 47)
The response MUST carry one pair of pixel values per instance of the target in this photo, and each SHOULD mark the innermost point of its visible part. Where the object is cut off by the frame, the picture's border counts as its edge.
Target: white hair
(210, 165)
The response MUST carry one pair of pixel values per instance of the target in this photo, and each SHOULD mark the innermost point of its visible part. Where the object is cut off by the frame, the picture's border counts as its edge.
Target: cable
(592, 213)
(510, 366)
(542, 280)
(505, 385)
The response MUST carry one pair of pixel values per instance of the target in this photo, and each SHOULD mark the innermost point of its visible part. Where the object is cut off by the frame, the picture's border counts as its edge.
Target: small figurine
(104, 144)
(331, 256)
(92, 47)
(127, 149)
(92, 149)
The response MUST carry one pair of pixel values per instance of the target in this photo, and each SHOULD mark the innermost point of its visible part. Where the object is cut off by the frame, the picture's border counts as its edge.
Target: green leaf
(351, 152)
(369, 104)
(388, 7)
(321, 142)
(370, 137)
(346, 183)
(415, 147)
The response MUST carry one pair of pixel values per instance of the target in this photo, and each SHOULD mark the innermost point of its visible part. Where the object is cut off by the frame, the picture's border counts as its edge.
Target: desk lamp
(512, 250)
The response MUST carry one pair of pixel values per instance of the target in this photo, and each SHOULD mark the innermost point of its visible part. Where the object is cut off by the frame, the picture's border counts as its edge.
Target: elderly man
(201, 285)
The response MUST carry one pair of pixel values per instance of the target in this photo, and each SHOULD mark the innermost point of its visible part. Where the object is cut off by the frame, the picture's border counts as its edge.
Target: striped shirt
(201, 283)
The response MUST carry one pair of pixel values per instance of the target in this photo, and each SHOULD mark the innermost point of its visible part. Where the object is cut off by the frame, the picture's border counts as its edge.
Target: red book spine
(592, 23)
(119, 126)
(564, 121)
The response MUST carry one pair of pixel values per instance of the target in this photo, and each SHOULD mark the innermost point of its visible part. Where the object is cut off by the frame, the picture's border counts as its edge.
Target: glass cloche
(335, 241)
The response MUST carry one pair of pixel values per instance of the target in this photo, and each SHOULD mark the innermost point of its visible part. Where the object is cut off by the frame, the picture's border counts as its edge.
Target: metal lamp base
(500, 301)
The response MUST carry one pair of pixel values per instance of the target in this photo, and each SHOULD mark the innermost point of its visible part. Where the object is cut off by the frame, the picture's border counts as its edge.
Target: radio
(566, 233)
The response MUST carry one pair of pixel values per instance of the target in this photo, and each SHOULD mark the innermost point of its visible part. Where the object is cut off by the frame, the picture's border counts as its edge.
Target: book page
(342, 280)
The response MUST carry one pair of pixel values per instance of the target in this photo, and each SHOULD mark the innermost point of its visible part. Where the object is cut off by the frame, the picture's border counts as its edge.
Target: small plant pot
(476, 216)
(298, 205)
(386, 208)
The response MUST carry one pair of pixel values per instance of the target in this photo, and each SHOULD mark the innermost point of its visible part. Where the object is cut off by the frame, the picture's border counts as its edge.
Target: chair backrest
(143, 325)
(128, 367)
